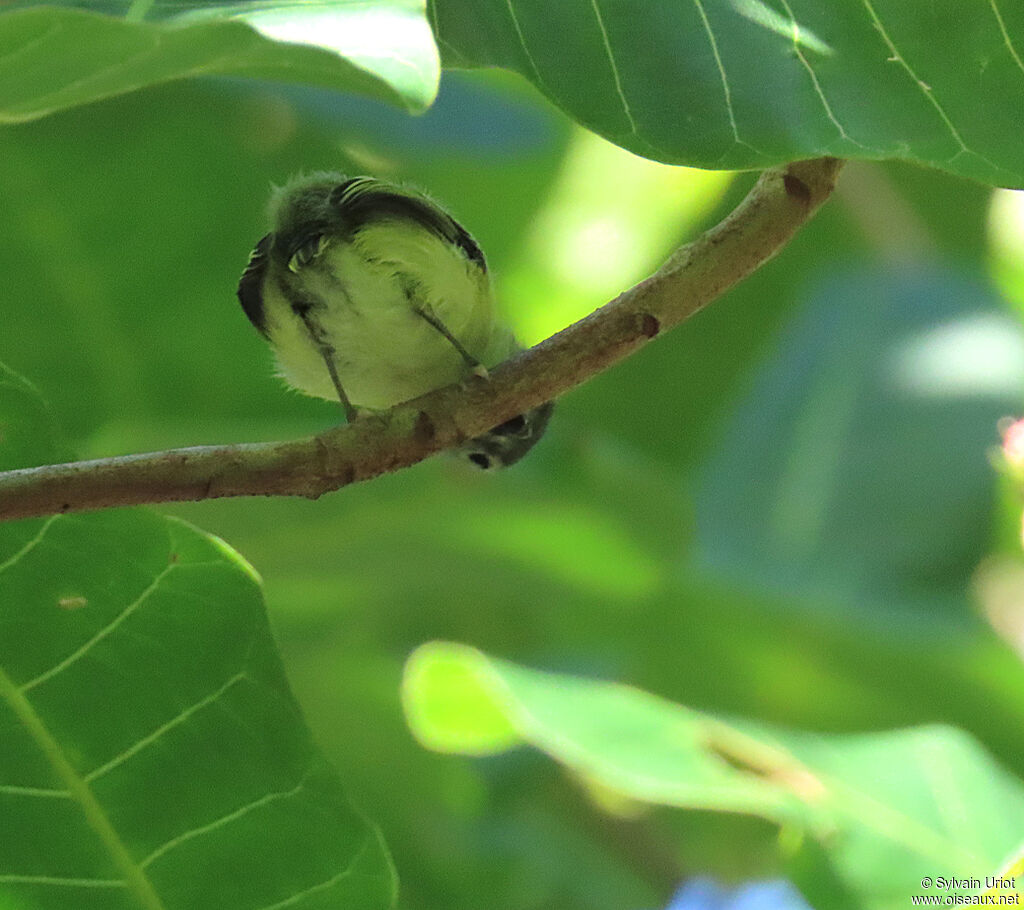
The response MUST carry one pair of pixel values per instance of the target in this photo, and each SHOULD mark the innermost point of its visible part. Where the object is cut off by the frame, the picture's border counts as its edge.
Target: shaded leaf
(857, 464)
(151, 753)
(747, 83)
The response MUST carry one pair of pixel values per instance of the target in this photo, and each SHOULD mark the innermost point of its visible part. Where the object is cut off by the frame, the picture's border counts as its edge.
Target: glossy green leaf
(53, 58)
(883, 809)
(151, 754)
(748, 83)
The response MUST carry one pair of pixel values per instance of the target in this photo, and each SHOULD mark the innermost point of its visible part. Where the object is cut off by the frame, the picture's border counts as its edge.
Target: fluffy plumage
(371, 294)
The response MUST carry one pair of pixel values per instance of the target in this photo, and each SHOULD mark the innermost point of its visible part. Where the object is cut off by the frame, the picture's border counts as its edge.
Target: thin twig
(781, 201)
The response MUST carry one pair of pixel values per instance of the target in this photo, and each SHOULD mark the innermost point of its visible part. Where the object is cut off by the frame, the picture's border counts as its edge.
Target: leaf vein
(223, 820)
(1006, 35)
(321, 886)
(897, 57)
(920, 83)
(155, 735)
(41, 792)
(95, 815)
(55, 28)
(798, 50)
(100, 635)
(894, 822)
(522, 42)
(31, 545)
(726, 90)
(615, 67)
(15, 879)
(435, 27)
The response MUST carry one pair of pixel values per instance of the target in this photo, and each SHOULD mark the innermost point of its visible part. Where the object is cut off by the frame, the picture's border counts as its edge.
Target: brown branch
(781, 201)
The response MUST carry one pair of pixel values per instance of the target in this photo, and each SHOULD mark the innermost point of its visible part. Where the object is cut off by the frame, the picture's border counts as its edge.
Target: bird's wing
(250, 286)
(363, 199)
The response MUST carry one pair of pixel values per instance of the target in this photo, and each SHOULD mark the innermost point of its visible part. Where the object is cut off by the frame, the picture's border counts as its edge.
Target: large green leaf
(53, 58)
(883, 810)
(151, 753)
(748, 83)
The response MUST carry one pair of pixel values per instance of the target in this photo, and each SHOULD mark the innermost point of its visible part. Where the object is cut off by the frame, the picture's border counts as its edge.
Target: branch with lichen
(781, 201)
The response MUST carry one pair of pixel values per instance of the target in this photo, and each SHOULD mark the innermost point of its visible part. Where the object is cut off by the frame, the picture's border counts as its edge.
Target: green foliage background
(776, 512)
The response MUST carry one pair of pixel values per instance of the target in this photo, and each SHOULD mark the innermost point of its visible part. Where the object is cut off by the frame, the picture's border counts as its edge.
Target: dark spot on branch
(797, 189)
(65, 506)
(348, 475)
(322, 456)
(649, 325)
(424, 429)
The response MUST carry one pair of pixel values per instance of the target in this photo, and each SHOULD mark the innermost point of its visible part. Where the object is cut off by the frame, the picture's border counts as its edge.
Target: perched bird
(371, 294)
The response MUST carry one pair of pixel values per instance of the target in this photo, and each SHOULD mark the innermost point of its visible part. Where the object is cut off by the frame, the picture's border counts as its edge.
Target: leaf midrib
(97, 818)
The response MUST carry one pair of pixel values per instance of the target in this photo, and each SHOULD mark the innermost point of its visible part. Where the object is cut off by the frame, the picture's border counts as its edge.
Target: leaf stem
(782, 200)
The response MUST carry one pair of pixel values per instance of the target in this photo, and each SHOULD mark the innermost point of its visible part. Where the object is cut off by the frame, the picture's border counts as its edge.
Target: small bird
(371, 294)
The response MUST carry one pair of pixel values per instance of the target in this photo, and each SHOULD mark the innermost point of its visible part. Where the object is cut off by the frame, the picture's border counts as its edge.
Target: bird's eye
(306, 253)
(511, 427)
(480, 460)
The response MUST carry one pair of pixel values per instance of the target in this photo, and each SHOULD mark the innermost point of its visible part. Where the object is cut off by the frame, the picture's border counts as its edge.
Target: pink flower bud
(1013, 444)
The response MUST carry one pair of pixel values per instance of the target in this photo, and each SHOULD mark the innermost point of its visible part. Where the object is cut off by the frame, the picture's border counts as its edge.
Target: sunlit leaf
(52, 58)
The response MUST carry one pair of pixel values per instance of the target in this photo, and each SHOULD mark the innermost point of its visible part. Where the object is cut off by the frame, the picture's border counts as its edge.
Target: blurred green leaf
(857, 463)
(609, 735)
(885, 808)
(151, 753)
(1006, 244)
(586, 244)
(449, 710)
(53, 58)
(732, 84)
(27, 434)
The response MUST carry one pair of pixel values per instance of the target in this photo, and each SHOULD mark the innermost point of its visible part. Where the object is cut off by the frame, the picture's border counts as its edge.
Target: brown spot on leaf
(770, 764)
(72, 602)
